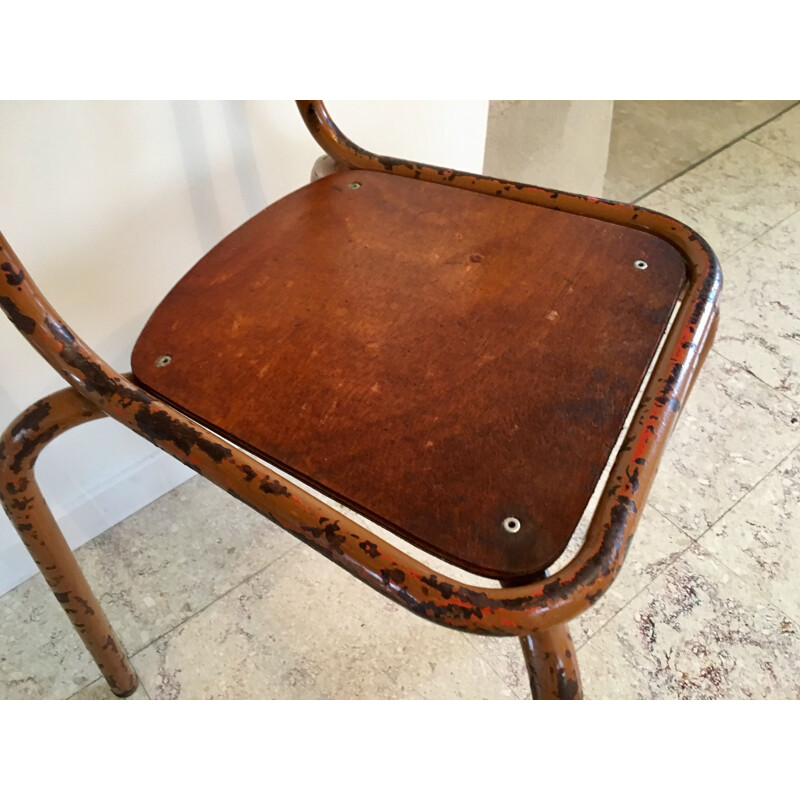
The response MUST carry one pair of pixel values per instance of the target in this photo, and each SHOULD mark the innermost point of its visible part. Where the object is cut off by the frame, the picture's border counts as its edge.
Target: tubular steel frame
(535, 612)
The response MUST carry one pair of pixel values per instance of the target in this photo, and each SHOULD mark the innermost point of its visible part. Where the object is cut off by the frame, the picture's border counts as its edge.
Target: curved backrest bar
(430, 594)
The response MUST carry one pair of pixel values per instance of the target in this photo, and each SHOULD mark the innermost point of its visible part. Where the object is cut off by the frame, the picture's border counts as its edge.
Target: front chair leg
(552, 664)
(23, 501)
(550, 657)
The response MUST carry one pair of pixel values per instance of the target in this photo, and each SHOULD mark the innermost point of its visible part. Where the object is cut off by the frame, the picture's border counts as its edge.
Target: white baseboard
(110, 503)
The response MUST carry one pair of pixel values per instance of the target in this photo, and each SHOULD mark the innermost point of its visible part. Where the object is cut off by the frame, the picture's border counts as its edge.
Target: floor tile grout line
(207, 606)
(284, 555)
(680, 555)
(716, 152)
(772, 227)
(710, 555)
(699, 210)
(735, 253)
(133, 653)
(491, 665)
(775, 152)
(140, 688)
(211, 603)
(693, 541)
(760, 235)
(736, 502)
(672, 522)
(720, 219)
(750, 585)
(655, 577)
(765, 475)
(677, 526)
(740, 577)
(720, 563)
(753, 375)
(749, 491)
(717, 218)
(676, 557)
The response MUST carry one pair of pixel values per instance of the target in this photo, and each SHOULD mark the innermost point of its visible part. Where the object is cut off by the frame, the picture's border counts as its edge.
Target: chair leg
(26, 508)
(550, 658)
(552, 664)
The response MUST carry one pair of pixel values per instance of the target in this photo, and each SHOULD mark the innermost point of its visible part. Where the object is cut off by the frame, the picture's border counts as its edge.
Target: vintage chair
(454, 356)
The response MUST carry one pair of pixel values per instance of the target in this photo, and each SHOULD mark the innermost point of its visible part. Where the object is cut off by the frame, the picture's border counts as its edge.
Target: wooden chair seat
(451, 364)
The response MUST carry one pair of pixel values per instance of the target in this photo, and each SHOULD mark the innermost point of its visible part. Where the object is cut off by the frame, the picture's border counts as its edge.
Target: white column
(557, 144)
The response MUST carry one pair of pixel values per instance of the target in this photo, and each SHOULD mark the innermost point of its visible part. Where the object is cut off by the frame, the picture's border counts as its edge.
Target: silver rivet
(162, 361)
(511, 525)
(354, 185)
(640, 264)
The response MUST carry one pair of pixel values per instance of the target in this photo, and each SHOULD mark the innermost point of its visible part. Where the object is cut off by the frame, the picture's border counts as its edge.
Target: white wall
(559, 144)
(108, 204)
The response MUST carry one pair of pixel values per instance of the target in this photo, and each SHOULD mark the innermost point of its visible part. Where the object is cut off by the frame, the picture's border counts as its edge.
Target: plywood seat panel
(437, 359)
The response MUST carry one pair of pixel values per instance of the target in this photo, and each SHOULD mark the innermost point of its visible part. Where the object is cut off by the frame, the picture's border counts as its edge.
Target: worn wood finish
(437, 359)
(27, 509)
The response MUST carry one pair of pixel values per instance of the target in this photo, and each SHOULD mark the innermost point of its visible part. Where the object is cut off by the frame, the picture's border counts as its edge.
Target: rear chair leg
(550, 657)
(26, 508)
(552, 664)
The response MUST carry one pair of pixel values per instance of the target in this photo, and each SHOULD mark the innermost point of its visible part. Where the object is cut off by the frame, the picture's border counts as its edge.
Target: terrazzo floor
(212, 601)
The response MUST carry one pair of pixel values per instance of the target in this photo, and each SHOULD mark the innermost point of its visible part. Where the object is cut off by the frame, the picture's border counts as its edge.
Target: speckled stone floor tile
(731, 433)
(785, 237)
(696, 632)
(758, 538)
(656, 544)
(99, 691)
(161, 568)
(747, 185)
(723, 236)
(41, 656)
(760, 322)
(150, 572)
(303, 628)
(781, 135)
(653, 140)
